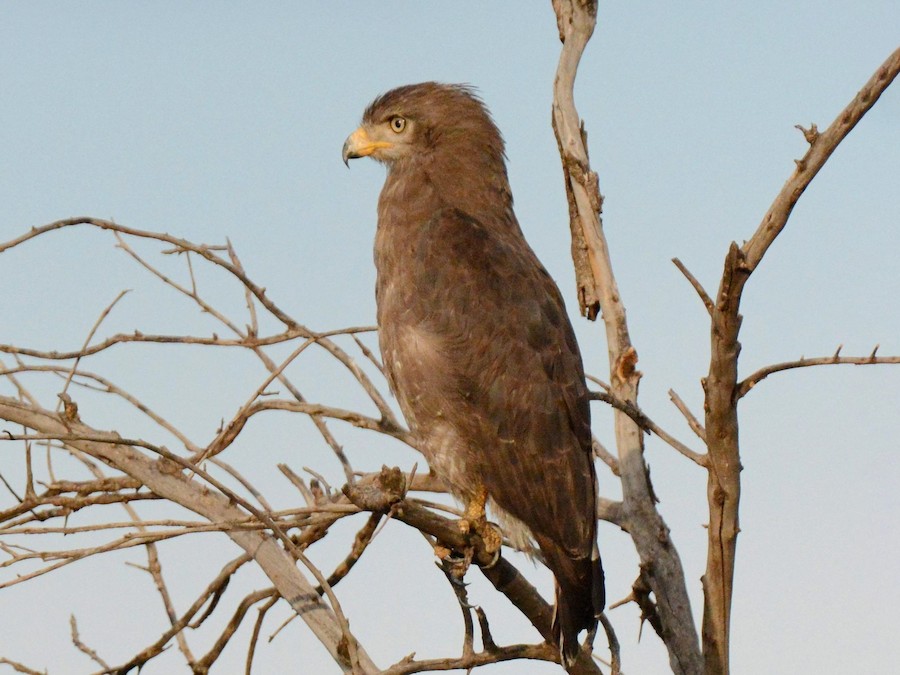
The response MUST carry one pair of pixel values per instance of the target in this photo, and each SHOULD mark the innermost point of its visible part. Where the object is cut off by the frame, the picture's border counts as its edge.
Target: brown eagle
(475, 339)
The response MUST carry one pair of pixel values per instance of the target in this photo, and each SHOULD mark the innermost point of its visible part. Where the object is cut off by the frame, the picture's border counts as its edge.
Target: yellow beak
(358, 144)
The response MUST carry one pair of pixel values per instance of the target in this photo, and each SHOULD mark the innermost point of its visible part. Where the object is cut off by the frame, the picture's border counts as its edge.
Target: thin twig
(648, 425)
(90, 336)
(541, 652)
(257, 628)
(613, 641)
(20, 668)
(487, 640)
(184, 620)
(605, 456)
(253, 327)
(360, 543)
(240, 478)
(249, 342)
(454, 571)
(369, 355)
(83, 648)
(692, 421)
(206, 661)
(298, 483)
(704, 296)
(745, 385)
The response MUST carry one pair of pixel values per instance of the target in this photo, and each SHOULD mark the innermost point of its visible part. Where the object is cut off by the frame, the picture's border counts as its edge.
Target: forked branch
(721, 385)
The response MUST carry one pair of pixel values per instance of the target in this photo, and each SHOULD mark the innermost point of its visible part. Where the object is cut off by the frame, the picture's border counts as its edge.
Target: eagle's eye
(398, 124)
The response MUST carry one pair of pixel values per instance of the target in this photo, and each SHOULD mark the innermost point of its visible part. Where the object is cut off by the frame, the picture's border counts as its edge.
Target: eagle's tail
(580, 596)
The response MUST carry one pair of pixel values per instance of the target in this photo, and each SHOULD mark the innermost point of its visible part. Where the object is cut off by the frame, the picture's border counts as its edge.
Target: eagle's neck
(468, 178)
(407, 201)
(473, 181)
(470, 181)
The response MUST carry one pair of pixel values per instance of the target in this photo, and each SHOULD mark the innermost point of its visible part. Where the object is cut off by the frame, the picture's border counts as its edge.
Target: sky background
(213, 120)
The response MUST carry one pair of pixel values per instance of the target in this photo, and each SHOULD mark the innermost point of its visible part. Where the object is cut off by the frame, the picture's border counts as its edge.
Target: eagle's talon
(457, 580)
(453, 564)
(493, 560)
(454, 558)
(490, 534)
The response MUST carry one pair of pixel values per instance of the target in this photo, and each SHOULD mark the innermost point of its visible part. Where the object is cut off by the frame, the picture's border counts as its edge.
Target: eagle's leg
(475, 520)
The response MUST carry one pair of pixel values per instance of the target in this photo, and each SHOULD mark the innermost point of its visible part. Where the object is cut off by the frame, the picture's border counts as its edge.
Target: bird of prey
(476, 342)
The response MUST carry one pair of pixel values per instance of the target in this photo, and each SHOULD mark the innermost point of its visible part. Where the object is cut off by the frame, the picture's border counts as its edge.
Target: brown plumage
(475, 338)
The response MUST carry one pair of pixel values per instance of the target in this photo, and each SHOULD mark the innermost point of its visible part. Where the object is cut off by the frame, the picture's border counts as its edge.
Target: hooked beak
(358, 144)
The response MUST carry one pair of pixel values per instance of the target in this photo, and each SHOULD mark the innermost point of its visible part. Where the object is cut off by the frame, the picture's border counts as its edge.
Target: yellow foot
(442, 552)
(491, 536)
(476, 521)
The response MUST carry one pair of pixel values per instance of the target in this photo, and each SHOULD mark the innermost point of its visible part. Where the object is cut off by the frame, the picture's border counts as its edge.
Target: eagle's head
(420, 121)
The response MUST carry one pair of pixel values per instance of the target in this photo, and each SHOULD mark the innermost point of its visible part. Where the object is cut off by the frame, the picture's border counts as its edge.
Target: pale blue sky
(212, 120)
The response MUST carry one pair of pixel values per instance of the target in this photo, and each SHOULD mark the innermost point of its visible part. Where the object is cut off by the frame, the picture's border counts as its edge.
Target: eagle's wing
(502, 370)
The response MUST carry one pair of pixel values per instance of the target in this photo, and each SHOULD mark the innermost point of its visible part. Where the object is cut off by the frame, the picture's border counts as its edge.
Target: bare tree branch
(745, 385)
(575, 20)
(821, 146)
(109, 387)
(249, 341)
(214, 506)
(641, 419)
(704, 296)
(692, 421)
(20, 668)
(721, 385)
(541, 652)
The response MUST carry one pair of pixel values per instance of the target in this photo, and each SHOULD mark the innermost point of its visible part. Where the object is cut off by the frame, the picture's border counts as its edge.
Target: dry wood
(216, 507)
(576, 20)
(721, 384)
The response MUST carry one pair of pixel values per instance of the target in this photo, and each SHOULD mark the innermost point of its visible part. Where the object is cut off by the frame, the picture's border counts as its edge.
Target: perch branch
(385, 492)
(217, 506)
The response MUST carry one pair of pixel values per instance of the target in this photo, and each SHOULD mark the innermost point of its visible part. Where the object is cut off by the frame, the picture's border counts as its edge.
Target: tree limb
(822, 145)
(745, 385)
(576, 20)
(194, 496)
(721, 384)
(641, 419)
